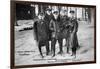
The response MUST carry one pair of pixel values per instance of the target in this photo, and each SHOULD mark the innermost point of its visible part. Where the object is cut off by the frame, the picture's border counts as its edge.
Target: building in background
(30, 11)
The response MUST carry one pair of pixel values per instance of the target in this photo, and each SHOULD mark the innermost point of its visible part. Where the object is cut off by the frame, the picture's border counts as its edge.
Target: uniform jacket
(73, 36)
(55, 26)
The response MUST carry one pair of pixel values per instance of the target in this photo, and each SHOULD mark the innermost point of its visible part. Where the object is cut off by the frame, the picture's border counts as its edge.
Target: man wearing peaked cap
(47, 18)
(72, 13)
(73, 36)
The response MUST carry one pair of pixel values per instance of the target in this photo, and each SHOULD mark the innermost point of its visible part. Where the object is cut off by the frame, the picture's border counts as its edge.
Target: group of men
(53, 26)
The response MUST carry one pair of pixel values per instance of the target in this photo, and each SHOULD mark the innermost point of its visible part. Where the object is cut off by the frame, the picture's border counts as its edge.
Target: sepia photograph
(52, 33)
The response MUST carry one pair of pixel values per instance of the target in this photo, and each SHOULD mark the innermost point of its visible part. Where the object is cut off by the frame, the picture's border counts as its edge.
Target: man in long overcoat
(73, 30)
(55, 27)
(65, 27)
(47, 18)
(41, 33)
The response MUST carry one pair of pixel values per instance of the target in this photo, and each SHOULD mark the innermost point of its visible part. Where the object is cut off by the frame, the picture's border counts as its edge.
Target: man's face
(41, 16)
(72, 15)
(62, 13)
(65, 13)
(48, 12)
(55, 15)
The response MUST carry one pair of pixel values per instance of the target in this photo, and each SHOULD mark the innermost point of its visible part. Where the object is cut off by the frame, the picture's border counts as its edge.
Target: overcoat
(48, 18)
(40, 30)
(55, 27)
(73, 36)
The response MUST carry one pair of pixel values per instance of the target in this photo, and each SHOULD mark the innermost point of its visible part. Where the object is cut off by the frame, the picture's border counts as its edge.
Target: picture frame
(18, 54)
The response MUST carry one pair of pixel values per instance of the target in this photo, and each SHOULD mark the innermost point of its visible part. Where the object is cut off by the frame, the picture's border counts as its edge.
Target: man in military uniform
(55, 27)
(65, 27)
(47, 18)
(73, 30)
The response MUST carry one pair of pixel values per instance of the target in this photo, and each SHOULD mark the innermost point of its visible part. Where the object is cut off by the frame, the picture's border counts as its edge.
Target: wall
(5, 34)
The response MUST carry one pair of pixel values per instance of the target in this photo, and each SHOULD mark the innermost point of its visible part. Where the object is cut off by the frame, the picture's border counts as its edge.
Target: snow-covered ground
(24, 24)
(26, 49)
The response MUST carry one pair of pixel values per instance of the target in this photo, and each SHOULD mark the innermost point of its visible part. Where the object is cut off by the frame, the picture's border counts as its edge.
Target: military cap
(72, 11)
(55, 12)
(48, 9)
